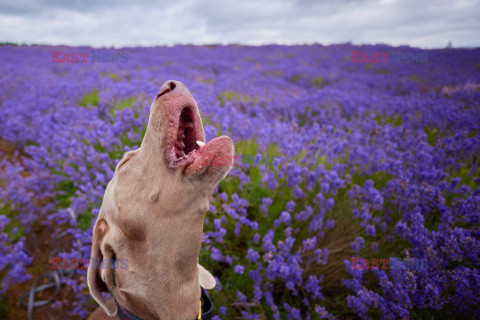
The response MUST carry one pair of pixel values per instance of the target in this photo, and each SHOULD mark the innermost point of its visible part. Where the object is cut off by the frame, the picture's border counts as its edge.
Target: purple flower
(238, 269)
(265, 203)
(216, 254)
(370, 230)
(222, 310)
(290, 206)
(309, 244)
(357, 244)
(252, 255)
(297, 192)
(284, 218)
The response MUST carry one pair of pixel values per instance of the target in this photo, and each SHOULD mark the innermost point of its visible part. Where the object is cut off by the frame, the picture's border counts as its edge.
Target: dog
(152, 216)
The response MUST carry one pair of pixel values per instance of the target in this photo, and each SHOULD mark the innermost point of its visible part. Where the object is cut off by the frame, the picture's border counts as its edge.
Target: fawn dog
(152, 216)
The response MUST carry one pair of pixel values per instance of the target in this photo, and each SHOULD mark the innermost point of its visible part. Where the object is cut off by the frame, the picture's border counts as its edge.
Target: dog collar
(204, 312)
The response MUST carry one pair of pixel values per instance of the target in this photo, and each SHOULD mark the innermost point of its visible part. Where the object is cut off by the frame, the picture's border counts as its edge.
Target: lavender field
(355, 193)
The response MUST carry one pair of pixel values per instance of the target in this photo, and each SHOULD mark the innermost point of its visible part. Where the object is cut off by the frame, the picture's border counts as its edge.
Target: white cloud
(122, 23)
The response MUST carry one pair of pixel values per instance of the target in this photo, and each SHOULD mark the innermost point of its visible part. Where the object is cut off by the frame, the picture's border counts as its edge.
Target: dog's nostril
(167, 87)
(163, 92)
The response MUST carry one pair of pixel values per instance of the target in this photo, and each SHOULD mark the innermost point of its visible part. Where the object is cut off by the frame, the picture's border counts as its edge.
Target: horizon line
(217, 44)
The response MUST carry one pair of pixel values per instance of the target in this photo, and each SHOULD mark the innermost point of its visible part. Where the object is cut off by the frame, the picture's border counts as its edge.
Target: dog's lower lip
(217, 154)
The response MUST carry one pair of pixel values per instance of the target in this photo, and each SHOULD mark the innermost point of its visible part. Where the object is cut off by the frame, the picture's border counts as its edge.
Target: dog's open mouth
(188, 151)
(183, 150)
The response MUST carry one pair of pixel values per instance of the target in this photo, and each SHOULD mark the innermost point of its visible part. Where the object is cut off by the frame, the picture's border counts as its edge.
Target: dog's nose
(170, 86)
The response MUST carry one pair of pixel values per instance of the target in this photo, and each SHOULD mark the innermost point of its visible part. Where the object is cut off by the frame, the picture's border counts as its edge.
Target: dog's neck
(165, 281)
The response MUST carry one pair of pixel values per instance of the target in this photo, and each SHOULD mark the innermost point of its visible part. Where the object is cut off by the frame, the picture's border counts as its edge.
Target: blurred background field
(336, 160)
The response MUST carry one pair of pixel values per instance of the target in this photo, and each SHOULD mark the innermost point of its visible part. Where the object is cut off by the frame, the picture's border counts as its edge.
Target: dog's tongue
(214, 155)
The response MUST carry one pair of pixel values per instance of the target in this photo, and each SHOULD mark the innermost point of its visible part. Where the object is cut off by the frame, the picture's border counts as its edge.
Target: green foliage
(432, 135)
(111, 75)
(90, 99)
(234, 96)
(306, 117)
(381, 71)
(472, 134)
(203, 80)
(14, 223)
(85, 220)
(8, 43)
(124, 104)
(294, 79)
(395, 121)
(65, 190)
(380, 178)
(319, 82)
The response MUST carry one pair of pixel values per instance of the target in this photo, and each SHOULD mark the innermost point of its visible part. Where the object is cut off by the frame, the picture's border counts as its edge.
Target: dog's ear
(207, 281)
(100, 276)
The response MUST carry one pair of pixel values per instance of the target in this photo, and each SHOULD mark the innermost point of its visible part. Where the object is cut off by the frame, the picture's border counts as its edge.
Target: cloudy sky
(421, 23)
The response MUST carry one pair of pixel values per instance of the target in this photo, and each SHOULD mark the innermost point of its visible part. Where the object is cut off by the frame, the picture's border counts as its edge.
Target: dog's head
(151, 220)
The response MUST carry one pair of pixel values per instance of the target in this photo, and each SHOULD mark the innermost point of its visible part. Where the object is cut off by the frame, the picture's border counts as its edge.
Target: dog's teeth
(188, 125)
(182, 144)
(200, 143)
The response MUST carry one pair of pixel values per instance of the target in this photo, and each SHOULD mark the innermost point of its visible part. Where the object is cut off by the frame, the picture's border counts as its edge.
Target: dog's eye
(127, 157)
(122, 163)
